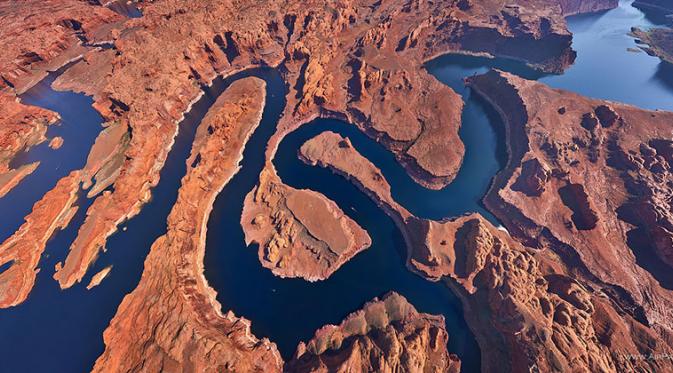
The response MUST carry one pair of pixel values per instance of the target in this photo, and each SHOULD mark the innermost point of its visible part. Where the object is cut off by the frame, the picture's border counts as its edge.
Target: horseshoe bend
(340, 186)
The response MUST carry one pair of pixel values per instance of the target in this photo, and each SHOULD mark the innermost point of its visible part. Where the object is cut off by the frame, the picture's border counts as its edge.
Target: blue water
(79, 126)
(62, 330)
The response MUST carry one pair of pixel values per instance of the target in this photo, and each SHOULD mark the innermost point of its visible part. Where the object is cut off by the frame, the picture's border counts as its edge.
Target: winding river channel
(62, 330)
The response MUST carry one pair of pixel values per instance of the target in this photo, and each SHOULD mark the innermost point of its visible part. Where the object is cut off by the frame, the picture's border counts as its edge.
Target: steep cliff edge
(300, 233)
(23, 250)
(602, 189)
(656, 42)
(386, 335)
(359, 61)
(171, 321)
(526, 309)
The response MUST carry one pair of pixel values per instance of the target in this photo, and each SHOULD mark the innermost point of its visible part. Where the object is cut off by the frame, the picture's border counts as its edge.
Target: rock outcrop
(65, 30)
(23, 250)
(171, 321)
(526, 309)
(300, 233)
(657, 42)
(21, 127)
(360, 60)
(386, 335)
(606, 208)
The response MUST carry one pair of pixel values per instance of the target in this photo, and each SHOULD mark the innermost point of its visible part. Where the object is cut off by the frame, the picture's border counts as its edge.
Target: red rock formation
(24, 249)
(656, 42)
(337, 62)
(153, 82)
(56, 143)
(99, 277)
(386, 335)
(12, 178)
(171, 321)
(300, 233)
(21, 127)
(608, 200)
(531, 312)
(62, 26)
(88, 75)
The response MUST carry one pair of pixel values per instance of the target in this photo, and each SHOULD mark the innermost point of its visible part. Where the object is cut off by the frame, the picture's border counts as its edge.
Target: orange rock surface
(604, 203)
(526, 310)
(300, 233)
(24, 249)
(21, 127)
(99, 277)
(12, 178)
(182, 327)
(355, 61)
(63, 27)
(386, 335)
(56, 143)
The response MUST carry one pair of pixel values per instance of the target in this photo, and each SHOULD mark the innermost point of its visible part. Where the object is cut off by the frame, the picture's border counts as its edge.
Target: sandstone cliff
(300, 233)
(171, 321)
(361, 61)
(590, 181)
(386, 335)
(527, 311)
(23, 250)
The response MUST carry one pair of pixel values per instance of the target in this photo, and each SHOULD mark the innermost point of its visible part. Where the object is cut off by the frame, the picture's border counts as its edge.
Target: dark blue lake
(62, 330)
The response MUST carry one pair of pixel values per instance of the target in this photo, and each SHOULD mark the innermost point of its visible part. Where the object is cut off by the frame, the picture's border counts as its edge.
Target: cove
(79, 126)
(62, 331)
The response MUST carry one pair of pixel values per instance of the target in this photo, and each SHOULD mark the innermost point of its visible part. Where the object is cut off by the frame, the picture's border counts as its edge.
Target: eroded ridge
(23, 250)
(172, 321)
(386, 335)
(657, 42)
(599, 193)
(533, 312)
(21, 127)
(300, 233)
(360, 60)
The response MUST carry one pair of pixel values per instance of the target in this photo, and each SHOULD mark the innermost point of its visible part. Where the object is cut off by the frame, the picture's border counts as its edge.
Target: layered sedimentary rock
(359, 60)
(656, 42)
(21, 127)
(171, 321)
(300, 233)
(335, 152)
(604, 205)
(99, 277)
(22, 251)
(532, 312)
(12, 178)
(386, 335)
(64, 27)
(153, 82)
(56, 143)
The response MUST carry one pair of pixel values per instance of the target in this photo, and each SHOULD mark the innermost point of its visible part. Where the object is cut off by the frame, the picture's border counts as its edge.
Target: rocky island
(575, 279)
(300, 233)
